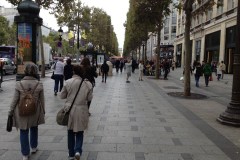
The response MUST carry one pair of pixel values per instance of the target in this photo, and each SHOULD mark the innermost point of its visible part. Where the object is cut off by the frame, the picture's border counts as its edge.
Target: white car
(8, 66)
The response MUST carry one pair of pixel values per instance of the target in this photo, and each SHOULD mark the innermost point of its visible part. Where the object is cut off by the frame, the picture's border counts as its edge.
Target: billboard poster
(24, 45)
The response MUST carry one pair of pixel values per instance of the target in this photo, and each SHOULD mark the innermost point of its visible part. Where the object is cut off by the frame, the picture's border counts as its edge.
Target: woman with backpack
(27, 117)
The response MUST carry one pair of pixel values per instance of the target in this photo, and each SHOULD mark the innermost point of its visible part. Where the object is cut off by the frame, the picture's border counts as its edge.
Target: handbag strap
(75, 96)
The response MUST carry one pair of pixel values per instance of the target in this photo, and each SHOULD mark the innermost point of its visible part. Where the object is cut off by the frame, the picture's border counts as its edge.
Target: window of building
(230, 4)
(166, 30)
(209, 14)
(198, 47)
(173, 36)
(174, 20)
(174, 29)
(220, 4)
(166, 38)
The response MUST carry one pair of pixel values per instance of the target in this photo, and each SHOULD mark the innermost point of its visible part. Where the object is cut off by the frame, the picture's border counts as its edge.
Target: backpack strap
(33, 88)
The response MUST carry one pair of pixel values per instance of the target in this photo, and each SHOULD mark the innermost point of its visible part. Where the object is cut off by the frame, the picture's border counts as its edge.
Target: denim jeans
(206, 79)
(197, 77)
(24, 140)
(75, 142)
(58, 78)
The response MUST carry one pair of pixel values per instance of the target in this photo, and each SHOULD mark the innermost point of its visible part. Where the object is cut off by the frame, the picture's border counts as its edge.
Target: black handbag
(9, 123)
(63, 115)
(52, 77)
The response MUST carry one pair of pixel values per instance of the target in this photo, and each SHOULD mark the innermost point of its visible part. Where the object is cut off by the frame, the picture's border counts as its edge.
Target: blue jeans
(206, 79)
(197, 77)
(58, 78)
(24, 140)
(75, 142)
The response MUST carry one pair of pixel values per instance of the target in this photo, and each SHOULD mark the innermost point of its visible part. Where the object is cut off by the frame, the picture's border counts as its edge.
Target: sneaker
(55, 93)
(34, 150)
(77, 156)
(25, 158)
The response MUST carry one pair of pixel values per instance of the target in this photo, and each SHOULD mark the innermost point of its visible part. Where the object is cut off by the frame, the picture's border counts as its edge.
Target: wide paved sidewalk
(131, 121)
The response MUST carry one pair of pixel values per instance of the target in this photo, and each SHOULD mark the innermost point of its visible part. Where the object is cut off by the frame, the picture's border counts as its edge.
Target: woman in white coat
(140, 67)
(78, 118)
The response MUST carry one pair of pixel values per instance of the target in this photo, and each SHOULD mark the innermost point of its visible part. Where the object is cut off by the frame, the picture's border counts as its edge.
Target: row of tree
(94, 23)
(95, 26)
(148, 16)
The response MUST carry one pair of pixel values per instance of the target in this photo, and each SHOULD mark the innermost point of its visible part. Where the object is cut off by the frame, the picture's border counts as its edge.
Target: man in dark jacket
(104, 70)
(68, 70)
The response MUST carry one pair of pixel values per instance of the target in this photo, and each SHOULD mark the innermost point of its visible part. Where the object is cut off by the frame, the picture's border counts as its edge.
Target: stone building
(213, 31)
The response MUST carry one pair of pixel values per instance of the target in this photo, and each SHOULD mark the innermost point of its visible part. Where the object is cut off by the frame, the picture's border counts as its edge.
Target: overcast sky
(117, 9)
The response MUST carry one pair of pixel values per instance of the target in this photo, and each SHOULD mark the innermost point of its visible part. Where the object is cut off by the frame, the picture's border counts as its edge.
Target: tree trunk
(188, 9)
(158, 51)
(42, 53)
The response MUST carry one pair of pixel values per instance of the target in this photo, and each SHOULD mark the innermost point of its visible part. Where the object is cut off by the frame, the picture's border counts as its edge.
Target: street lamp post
(231, 116)
(60, 32)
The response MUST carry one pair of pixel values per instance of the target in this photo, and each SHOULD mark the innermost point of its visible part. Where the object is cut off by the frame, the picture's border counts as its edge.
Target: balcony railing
(197, 6)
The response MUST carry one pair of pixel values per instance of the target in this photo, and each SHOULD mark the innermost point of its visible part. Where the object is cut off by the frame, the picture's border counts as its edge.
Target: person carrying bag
(76, 103)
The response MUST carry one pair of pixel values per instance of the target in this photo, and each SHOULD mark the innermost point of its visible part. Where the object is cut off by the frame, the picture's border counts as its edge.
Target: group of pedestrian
(79, 114)
(206, 70)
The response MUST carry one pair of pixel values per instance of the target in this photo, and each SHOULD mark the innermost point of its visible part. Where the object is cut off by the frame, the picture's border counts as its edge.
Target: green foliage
(93, 22)
(144, 16)
(7, 33)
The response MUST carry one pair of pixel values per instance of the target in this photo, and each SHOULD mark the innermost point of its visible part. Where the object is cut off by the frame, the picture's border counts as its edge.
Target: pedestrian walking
(121, 65)
(117, 65)
(68, 70)
(140, 67)
(207, 71)
(197, 73)
(104, 70)
(128, 70)
(28, 123)
(218, 72)
(58, 75)
(134, 63)
(222, 68)
(166, 67)
(78, 117)
(89, 73)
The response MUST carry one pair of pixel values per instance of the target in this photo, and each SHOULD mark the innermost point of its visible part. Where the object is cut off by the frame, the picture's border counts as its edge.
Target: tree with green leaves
(152, 13)
(135, 31)
(187, 7)
(7, 33)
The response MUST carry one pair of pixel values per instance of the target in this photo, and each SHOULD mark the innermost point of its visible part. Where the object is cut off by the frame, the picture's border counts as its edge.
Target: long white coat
(78, 118)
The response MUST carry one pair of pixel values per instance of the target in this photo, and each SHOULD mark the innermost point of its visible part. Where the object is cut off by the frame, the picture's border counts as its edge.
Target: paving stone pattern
(130, 121)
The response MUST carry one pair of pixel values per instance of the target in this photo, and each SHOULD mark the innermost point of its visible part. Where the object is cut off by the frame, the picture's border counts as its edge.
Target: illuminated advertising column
(28, 24)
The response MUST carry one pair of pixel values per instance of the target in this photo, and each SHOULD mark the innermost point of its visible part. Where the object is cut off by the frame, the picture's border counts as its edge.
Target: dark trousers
(58, 79)
(24, 140)
(75, 142)
(197, 77)
(104, 76)
(206, 79)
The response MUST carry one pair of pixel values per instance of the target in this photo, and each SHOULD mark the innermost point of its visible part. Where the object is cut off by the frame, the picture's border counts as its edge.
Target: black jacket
(68, 71)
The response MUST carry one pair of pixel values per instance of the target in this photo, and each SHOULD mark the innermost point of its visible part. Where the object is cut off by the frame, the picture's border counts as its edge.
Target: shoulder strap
(33, 88)
(75, 96)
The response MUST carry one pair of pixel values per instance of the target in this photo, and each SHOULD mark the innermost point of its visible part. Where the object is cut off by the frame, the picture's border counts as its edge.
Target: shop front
(212, 44)
(230, 48)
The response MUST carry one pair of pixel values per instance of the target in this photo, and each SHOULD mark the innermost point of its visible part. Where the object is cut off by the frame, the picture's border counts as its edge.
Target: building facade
(168, 34)
(213, 31)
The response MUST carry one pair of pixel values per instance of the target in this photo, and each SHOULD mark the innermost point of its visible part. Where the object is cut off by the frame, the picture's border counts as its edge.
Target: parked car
(9, 66)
